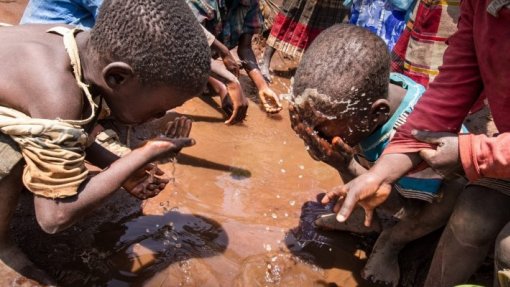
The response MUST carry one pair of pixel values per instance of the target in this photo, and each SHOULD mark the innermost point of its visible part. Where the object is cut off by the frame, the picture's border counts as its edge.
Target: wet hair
(344, 71)
(161, 40)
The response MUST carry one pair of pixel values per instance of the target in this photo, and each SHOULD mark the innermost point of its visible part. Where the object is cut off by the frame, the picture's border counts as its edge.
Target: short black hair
(346, 68)
(161, 40)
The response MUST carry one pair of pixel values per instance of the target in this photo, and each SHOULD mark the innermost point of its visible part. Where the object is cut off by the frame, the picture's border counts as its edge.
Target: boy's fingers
(347, 207)
(429, 137)
(369, 215)
(183, 142)
(188, 124)
(233, 117)
(340, 145)
(427, 155)
(333, 194)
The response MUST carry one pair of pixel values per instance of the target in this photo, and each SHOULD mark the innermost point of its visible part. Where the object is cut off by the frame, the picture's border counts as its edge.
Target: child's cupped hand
(146, 182)
(337, 154)
(172, 141)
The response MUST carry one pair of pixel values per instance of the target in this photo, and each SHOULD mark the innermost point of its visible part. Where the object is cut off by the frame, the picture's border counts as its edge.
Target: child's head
(153, 56)
(341, 85)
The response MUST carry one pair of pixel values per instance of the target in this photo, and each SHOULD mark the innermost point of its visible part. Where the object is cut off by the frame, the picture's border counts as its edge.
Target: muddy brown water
(230, 217)
(238, 213)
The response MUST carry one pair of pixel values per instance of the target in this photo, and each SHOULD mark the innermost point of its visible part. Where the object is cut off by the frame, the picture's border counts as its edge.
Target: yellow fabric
(54, 150)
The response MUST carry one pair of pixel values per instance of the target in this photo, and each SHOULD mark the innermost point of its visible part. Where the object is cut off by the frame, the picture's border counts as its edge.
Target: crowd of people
(380, 96)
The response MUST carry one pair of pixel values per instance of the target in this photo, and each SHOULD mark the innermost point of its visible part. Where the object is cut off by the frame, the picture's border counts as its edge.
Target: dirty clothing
(54, 150)
(81, 13)
(475, 65)
(227, 24)
(300, 21)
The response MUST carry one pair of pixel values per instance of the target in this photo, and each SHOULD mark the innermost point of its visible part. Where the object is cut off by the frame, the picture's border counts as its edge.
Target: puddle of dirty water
(231, 217)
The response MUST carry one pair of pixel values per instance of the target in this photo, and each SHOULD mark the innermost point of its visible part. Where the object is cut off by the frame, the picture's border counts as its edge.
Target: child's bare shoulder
(36, 76)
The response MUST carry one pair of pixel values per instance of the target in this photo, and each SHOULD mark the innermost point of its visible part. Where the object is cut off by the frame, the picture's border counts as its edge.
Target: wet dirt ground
(238, 212)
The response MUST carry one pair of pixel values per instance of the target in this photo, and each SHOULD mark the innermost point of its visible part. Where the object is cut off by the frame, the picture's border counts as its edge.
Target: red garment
(476, 63)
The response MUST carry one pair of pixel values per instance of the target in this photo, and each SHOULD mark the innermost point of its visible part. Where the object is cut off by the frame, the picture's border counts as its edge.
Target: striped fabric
(300, 21)
(419, 51)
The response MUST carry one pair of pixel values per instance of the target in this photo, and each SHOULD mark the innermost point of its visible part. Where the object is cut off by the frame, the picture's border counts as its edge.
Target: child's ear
(379, 112)
(115, 74)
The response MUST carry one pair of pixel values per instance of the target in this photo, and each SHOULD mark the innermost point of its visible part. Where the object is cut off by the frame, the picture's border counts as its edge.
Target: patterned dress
(387, 19)
(301, 21)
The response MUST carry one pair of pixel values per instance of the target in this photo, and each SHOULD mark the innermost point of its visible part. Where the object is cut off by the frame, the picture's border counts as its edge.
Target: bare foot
(17, 270)
(382, 266)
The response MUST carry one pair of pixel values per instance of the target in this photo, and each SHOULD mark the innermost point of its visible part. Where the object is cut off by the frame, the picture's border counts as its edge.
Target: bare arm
(55, 215)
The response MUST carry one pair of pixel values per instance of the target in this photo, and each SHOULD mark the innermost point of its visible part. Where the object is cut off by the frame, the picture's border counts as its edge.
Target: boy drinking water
(143, 57)
(341, 98)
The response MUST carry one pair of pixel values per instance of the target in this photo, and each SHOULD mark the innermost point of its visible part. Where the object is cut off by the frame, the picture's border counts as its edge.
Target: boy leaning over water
(143, 58)
(342, 98)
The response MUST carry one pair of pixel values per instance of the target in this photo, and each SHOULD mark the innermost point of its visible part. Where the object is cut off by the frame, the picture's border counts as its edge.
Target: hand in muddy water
(145, 183)
(270, 100)
(367, 190)
(234, 103)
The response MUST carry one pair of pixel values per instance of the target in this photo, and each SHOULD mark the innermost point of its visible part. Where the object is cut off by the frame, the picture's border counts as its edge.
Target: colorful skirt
(301, 21)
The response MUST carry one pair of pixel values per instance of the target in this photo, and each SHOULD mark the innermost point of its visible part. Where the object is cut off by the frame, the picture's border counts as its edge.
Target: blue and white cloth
(387, 19)
(423, 183)
(80, 13)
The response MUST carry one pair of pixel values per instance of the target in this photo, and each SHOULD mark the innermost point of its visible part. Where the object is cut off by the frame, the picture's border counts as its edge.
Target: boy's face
(351, 129)
(135, 104)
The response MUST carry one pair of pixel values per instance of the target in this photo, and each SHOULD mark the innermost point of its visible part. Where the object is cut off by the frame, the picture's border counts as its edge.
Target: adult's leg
(266, 62)
(382, 265)
(478, 217)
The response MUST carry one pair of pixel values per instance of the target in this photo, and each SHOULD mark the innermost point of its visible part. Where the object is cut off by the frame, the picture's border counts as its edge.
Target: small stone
(292, 202)
(302, 167)
(283, 170)
(274, 216)
(300, 176)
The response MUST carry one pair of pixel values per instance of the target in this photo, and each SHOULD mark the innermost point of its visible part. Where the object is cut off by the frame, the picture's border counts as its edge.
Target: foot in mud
(382, 267)
(17, 270)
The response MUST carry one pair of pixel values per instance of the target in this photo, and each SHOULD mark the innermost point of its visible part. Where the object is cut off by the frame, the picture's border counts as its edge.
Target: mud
(239, 212)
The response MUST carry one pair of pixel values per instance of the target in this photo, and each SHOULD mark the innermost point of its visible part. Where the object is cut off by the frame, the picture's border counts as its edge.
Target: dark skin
(268, 98)
(330, 141)
(49, 91)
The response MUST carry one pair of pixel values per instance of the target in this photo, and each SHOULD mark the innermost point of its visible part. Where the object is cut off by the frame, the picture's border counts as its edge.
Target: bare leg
(479, 216)
(382, 265)
(266, 62)
(14, 265)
